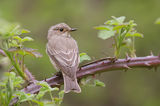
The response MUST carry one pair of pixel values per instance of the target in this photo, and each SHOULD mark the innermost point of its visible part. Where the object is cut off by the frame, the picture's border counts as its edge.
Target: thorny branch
(99, 66)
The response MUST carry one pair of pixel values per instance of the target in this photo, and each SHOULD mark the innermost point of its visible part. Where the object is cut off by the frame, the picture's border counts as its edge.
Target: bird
(63, 52)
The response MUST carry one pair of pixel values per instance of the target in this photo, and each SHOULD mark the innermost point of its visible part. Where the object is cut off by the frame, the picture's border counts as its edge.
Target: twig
(99, 66)
(2, 52)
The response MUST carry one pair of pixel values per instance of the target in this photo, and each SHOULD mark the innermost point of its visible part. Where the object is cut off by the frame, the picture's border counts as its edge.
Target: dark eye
(61, 29)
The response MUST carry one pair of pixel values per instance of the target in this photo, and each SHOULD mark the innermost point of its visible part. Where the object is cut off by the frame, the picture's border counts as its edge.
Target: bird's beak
(73, 29)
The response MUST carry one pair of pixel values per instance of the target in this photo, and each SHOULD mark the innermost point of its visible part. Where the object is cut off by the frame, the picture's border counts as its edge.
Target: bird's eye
(61, 29)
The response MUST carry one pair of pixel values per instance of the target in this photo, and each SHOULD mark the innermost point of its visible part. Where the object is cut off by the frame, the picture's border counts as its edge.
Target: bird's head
(60, 29)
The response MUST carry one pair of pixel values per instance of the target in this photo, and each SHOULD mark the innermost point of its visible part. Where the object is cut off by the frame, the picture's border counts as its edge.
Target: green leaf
(45, 88)
(45, 85)
(61, 94)
(24, 31)
(102, 27)
(27, 39)
(87, 81)
(116, 21)
(17, 37)
(104, 34)
(131, 23)
(13, 30)
(59, 100)
(134, 35)
(83, 57)
(99, 83)
(118, 27)
(157, 21)
(119, 19)
(128, 43)
(24, 96)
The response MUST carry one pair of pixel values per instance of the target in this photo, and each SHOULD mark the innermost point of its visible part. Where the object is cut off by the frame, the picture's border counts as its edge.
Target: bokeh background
(137, 87)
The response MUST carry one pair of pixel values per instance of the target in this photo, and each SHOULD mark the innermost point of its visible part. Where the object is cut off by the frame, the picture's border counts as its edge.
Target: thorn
(126, 66)
(151, 53)
(147, 64)
(112, 59)
(127, 57)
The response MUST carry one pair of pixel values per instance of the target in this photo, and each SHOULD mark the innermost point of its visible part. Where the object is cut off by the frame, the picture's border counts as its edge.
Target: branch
(99, 66)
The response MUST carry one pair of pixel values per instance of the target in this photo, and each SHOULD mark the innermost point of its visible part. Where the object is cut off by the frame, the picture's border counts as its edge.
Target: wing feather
(64, 52)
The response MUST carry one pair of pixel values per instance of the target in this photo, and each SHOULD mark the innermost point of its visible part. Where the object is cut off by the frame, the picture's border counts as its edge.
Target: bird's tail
(70, 84)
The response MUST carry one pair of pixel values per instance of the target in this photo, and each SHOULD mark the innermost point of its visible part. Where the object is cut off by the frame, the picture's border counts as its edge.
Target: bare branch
(99, 66)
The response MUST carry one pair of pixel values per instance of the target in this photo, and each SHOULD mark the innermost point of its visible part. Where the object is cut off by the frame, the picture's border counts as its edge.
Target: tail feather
(70, 84)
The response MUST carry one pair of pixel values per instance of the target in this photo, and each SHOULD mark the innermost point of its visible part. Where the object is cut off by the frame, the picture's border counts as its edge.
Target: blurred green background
(137, 87)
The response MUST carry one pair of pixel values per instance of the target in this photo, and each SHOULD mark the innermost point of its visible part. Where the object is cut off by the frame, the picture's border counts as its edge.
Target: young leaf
(116, 21)
(24, 96)
(59, 100)
(27, 39)
(45, 88)
(18, 38)
(119, 19)
(24, 31)
(102, 27)
(134, 35)
(61, 94)
(104, 34)
(83, 57)
(99, 83)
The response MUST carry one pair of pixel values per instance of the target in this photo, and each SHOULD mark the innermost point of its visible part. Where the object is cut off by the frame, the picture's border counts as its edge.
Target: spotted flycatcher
(64, 55)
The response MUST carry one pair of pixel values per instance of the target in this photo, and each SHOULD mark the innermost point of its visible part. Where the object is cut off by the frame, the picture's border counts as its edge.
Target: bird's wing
(64, 52)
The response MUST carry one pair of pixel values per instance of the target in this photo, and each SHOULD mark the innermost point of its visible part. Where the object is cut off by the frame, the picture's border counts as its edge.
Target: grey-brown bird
(64, 55)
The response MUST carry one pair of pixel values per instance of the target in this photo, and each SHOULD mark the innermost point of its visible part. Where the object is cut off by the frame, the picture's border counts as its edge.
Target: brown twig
(2, 52)
(99, 66)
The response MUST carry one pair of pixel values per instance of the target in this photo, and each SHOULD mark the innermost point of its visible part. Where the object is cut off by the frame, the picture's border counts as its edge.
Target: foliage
(84, 57)
(12, 38)
(12, 42)
(124, 34)
(9, 87)
(89, 81)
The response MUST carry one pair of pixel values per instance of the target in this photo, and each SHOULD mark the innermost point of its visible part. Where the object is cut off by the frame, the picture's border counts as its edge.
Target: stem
(51, 96)
(15, 65)
(22, 63)
(99, 66)
(132, 48)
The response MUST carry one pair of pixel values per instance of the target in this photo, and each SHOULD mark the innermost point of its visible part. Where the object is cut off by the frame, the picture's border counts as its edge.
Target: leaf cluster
(124, 34)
